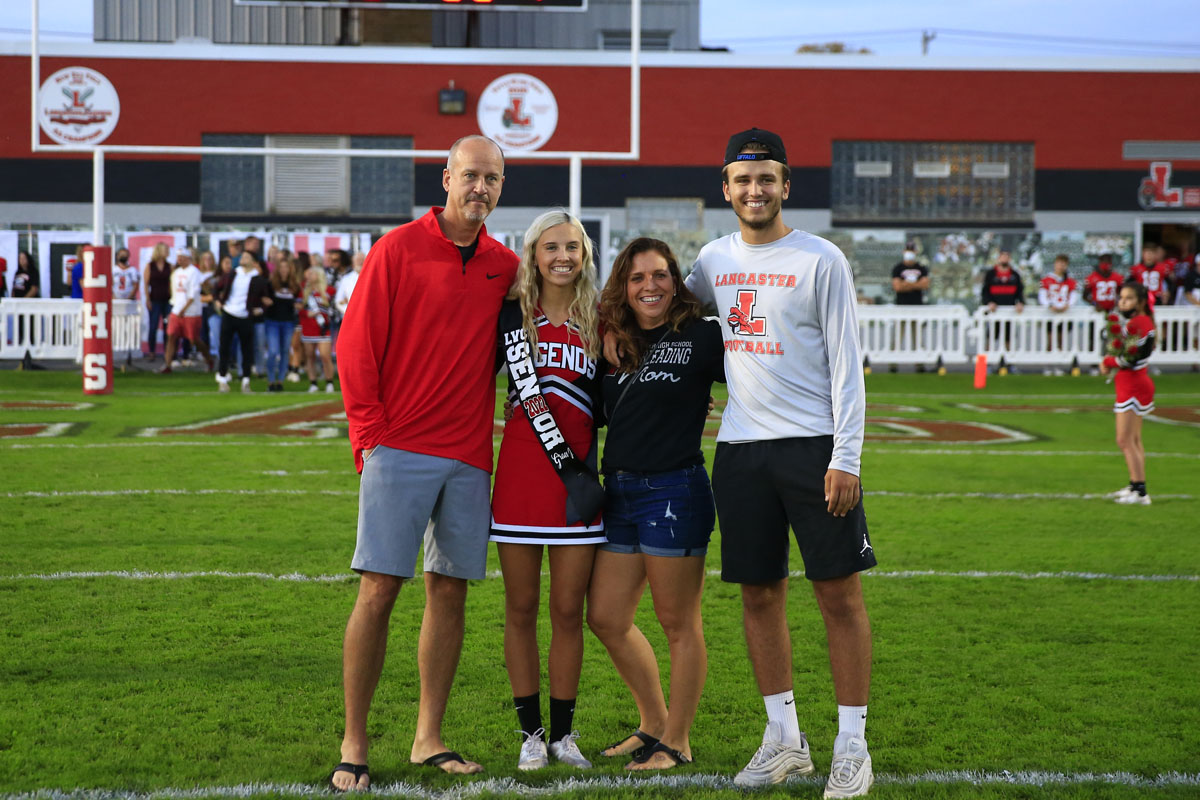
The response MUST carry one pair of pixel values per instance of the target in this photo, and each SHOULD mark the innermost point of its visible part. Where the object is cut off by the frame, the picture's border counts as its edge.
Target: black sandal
(358, 770)
(679, 758)
(647, 740)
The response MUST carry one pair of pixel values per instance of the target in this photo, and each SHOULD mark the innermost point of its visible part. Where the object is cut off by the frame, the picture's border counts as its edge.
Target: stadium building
(952, 156)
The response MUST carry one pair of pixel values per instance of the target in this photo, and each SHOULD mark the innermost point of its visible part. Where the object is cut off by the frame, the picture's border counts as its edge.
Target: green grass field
(1031, 638)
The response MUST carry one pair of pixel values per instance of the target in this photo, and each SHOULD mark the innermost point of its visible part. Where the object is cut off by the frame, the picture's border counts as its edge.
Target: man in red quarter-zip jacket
(416, 356)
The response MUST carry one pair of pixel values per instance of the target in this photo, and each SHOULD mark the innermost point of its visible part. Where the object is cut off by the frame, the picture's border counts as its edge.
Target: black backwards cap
(771, 141)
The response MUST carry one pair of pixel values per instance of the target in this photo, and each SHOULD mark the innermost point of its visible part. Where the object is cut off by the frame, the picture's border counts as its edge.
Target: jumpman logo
(866, 546)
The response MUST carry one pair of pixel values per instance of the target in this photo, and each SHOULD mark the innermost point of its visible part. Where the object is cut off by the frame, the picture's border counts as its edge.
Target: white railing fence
(1037, 335)
(53, 329)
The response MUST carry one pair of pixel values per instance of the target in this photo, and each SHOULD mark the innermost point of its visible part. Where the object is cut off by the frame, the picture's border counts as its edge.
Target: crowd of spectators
(269, 316)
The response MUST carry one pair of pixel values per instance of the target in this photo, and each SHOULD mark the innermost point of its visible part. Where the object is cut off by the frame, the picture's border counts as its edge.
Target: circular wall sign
(78, 105)
(518, 111)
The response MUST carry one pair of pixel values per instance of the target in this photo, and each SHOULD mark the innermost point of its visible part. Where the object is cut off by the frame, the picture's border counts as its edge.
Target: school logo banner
(79, 106)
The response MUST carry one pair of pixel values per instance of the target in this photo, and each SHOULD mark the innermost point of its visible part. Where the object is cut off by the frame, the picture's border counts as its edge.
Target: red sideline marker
(980, 371)
(97, 320)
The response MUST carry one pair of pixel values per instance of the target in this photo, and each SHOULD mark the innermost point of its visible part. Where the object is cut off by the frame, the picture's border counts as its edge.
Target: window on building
(317, 186)
(932, 182)
(664, 213)
(620, 40)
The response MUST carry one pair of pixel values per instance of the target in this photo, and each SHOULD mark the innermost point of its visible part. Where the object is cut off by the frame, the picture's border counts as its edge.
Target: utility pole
(926, 38)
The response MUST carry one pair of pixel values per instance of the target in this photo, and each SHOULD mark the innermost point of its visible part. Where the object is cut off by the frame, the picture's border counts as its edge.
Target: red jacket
(417, 346)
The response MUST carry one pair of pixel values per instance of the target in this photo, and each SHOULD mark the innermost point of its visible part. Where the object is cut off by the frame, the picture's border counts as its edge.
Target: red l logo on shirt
(741, 319)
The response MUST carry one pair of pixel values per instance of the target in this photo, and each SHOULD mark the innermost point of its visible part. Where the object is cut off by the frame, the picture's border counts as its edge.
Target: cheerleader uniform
(316, 318)
(1135, 389)
(529, 499)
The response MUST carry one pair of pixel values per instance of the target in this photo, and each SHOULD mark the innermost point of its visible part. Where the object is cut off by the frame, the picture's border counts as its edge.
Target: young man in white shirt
(186, 318)
(125, 277)
(788, 454)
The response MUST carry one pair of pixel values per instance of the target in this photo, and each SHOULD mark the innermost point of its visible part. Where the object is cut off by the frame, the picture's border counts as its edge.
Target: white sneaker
(533, 751)
(222, 385)
(775, 762)
(566, 751)
(293, 377)
(246, 386)
(850, 775)
(329, 387)
(312, 388)
(1134, 499)
(1122, 492)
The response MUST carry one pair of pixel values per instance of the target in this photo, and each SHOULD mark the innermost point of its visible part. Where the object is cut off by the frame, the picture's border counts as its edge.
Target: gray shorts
(404, 498)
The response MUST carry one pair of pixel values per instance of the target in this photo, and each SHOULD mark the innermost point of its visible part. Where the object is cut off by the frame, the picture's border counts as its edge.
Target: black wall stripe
(60, 180)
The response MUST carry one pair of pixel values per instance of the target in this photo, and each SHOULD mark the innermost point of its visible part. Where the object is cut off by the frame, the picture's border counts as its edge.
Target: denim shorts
(659, 513)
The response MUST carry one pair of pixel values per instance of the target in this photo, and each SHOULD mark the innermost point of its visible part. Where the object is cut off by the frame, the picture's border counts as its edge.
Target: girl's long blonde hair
(527, 287)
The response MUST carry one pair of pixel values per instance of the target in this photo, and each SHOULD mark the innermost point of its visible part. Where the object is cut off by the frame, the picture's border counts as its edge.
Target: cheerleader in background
(315, 323)
(1131, 340)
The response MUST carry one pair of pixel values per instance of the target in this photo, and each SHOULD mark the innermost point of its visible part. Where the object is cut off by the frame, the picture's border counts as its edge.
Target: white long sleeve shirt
(793, 362)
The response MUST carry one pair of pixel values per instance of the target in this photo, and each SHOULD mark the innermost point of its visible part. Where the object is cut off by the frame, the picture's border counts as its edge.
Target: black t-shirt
(658, 425)
(24, 281)
(1191, 283)
(910, 273)
(468, 252)
(283, 304)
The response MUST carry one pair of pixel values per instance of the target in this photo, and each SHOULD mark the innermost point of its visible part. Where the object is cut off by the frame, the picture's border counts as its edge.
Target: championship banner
(55, 252)
(141, 246)
(8, 258)
(311, 242)
(97, 320)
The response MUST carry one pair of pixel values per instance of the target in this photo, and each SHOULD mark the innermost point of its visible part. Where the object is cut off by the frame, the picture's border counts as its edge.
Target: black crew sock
(1139, 487)
(529, 712)
(562, 717)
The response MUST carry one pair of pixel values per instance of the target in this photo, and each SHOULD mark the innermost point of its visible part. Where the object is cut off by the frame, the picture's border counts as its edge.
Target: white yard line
(1012, 495)
(354, 492)
(470, 788)
(296, 577)
(176, 443)
(928, 451)
(180, 492)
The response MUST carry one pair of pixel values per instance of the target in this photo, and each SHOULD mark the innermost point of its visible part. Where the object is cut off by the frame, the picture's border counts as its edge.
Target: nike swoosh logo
(788, 702)
(491, 276)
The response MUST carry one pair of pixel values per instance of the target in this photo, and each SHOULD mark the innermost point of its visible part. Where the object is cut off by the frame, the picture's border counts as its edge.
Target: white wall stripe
(296, 577)
(508, 786)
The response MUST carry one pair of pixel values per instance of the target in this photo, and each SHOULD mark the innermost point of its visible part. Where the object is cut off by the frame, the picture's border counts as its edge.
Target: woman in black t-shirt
(26, 280)
(659, 512)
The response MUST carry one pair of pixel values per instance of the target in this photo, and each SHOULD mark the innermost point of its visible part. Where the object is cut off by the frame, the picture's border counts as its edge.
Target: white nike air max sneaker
(775, 762)
(850, 775)
(1134, 499)
(566, 751)
(533, 751)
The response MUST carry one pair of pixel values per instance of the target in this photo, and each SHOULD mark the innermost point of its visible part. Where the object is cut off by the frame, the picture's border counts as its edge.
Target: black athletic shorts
(763, 487)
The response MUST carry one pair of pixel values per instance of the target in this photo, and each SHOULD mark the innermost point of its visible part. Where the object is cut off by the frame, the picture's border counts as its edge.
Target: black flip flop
(648, 741)
(437, 759)
(358, 769)
(679, 758)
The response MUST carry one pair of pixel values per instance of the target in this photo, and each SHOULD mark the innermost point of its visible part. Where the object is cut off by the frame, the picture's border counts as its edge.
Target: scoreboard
(439, 5)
